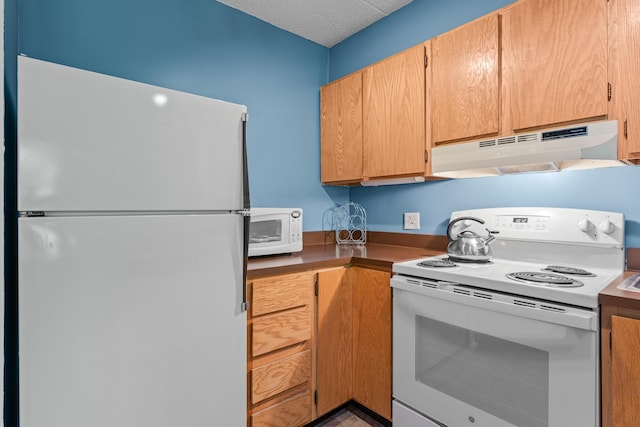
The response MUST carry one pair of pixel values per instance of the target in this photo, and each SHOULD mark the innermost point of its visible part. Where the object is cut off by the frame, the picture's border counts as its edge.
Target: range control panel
(531, 223)
(561, 225)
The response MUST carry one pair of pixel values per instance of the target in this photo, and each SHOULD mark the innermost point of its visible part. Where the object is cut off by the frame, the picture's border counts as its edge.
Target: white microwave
(275, 231)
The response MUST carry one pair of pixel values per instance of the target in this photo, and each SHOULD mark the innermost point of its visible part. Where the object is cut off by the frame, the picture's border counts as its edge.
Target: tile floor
(350, 416)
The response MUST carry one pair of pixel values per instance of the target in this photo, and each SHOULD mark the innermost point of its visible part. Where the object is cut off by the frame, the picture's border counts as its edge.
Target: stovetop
(579, 251)
(493, 276)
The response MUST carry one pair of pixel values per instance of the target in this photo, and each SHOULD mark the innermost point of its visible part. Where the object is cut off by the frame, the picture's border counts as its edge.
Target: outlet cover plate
(412, 220)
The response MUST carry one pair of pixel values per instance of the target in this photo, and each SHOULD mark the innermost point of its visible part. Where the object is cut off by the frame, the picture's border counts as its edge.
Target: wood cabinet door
(334, 360)
(341, 130)
(372, 339)
(393, 115)
(625, 367)
(554, 63)
(624, 65)
(465, 81)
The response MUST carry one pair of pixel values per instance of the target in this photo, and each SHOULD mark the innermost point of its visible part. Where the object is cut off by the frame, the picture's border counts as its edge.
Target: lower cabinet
(280, 350)
(334, 342)
(620, 336)
(317, 340)
(372, 339)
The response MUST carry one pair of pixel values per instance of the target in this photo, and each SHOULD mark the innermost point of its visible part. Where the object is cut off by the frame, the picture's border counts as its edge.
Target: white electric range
(512, 341)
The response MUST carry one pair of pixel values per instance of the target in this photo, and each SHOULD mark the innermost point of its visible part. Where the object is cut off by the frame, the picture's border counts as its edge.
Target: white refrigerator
(133, 208)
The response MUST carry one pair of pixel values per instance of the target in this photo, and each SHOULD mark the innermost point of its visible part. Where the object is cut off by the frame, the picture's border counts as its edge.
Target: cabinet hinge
(315, 397)
(609, 89)
(625, 128)
(426, 61)
(315, 285)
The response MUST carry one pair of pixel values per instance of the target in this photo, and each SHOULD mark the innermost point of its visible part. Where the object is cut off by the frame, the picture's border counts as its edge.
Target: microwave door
(268, 231)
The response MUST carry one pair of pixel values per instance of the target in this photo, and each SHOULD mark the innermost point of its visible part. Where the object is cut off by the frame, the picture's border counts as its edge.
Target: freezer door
(92, 142)
(132, 321)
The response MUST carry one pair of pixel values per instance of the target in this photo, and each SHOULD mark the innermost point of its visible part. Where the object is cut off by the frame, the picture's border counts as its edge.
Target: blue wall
(204, 47)
(207, 48)
(612, 189)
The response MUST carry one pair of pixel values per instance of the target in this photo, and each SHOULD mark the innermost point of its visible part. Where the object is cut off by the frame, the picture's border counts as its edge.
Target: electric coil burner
(437, 263)
(545, 279)
(568, 270)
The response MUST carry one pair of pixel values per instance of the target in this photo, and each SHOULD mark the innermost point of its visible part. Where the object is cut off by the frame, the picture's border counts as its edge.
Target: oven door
(467, 357)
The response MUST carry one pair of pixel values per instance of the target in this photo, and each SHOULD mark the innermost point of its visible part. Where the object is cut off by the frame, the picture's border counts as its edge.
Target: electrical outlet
(412, 220)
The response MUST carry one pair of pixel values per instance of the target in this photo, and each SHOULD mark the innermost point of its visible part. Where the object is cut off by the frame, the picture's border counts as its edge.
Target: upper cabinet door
(465, 81)
(554, 62)
(394, 127)
(341, 129)
(624, 60)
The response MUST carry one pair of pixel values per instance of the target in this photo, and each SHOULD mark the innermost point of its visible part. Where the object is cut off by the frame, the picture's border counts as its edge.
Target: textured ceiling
(326, 22)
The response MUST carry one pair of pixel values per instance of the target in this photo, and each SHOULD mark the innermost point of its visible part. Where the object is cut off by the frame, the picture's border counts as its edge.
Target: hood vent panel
(528, 137)
(507, 140)
(586, 146)
(490, 143)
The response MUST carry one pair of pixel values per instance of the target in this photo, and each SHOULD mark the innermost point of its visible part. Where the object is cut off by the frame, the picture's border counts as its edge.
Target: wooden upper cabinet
(393, 115)
(341, 130)
(554, 65)
(464, 95)
(624, 66)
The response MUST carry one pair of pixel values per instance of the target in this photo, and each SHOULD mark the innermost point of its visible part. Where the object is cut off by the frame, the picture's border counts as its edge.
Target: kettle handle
(462, 218)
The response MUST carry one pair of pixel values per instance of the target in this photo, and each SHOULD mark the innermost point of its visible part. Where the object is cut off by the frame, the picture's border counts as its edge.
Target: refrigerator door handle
(246, 204)
(245, 302)
(245, 212)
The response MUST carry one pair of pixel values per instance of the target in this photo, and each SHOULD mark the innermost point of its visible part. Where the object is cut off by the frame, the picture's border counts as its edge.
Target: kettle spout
(491, 237)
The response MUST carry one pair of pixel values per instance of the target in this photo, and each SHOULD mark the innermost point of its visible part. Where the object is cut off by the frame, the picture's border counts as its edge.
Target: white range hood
(583, 146)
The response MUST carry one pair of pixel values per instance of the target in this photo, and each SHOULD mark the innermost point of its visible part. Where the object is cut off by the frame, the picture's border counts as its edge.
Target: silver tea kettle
(468, 245)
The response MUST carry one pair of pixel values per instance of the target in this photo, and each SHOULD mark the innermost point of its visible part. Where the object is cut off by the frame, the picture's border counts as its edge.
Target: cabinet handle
(625, 129)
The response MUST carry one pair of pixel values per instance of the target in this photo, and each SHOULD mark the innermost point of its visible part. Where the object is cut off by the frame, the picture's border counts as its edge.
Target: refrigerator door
(132, 321)
(92, 142)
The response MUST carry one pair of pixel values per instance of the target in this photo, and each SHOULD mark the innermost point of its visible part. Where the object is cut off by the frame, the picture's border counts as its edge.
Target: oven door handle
(495, 301)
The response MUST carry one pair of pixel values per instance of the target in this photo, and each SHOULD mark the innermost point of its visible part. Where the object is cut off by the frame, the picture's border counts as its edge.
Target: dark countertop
(381, 256)
(313, 257)
(611, 295)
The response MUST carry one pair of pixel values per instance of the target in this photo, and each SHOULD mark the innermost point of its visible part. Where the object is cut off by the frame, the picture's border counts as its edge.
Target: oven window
(265, 231)
(500, 377)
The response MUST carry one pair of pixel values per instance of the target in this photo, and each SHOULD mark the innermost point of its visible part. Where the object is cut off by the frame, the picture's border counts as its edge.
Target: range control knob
(607, 227)
(585, 225)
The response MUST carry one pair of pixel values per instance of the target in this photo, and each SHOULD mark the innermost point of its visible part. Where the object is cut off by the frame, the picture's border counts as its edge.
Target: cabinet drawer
(273, 294)
(292, 412)
(271, 333)
(281, 375)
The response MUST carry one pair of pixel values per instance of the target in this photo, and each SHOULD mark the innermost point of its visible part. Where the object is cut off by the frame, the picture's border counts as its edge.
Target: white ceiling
(326, 22)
